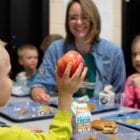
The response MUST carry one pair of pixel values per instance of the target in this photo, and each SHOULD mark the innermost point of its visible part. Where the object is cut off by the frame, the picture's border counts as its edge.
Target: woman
(104, 59)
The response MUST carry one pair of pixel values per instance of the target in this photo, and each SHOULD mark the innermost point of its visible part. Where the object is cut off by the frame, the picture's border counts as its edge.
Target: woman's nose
(79, 20)
(138, 57)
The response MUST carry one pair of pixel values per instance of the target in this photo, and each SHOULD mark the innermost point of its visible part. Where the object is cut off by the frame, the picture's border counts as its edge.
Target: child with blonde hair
(60, 128)
(28, 59)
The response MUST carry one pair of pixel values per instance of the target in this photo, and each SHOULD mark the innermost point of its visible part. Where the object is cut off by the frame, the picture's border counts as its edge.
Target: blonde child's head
(28, 56)
(5, 81)
(2, 43)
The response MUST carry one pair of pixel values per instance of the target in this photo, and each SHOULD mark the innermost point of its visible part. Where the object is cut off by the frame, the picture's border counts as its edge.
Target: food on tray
(113, 138)
(45, 109)
(120, 120)
(22, 111)
(108, 89)
(91, 106)
(105, 126)
(132, 121)
(90, 138)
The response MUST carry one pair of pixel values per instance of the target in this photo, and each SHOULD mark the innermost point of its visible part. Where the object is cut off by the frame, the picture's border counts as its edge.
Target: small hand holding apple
(69, 81)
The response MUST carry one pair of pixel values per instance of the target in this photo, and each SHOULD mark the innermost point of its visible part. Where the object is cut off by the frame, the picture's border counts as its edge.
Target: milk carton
(81, 121)
(107, 96)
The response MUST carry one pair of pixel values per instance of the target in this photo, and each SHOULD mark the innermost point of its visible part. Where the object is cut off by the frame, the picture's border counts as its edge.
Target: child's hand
(136, 80)
(69, 85)
(35, 129)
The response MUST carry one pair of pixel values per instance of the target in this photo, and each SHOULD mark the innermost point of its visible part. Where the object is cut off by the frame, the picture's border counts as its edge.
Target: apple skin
(73, 57)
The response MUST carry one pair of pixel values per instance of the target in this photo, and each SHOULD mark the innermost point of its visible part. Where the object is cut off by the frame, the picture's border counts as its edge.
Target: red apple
(71, 56)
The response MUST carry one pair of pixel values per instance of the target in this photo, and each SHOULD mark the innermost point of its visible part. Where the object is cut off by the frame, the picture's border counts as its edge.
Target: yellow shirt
(60, 129)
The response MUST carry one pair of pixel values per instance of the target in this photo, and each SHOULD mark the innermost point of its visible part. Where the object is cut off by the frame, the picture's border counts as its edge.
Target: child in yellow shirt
(60, 127)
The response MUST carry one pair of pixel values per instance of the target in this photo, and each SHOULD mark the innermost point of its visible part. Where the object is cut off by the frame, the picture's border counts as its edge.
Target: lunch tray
(123, 132)
(103, 108)
(100, 108)
(27, 111)
(122, 117)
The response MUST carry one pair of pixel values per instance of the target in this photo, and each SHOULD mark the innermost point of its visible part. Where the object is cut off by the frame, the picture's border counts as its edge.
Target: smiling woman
(103, 58)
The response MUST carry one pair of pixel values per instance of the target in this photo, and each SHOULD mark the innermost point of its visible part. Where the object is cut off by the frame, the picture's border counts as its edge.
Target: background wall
(57, 16)
(23, 22)
(130, 28)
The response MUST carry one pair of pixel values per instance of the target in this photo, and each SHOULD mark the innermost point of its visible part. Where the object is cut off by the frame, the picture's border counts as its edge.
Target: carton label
(106, 99)
(81, 121)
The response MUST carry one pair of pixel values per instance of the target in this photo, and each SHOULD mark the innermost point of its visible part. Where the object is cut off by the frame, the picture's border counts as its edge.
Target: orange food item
(90, 138)
(22, 111)
(105, 126)
(91, 106)
(73, 57)
(113, 138)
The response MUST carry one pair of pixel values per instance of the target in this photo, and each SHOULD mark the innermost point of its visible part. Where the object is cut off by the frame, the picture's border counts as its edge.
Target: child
(66, 87)
(131, 95)
(28, 58)
(48, 40)
(5, 82)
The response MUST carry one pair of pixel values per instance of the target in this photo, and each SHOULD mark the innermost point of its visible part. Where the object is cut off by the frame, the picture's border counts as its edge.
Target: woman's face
(79, 25)
(136, 56)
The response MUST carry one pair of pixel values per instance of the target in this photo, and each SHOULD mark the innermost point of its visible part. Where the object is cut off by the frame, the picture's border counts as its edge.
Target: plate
(101, 108)
(123, 119)
(26, 111)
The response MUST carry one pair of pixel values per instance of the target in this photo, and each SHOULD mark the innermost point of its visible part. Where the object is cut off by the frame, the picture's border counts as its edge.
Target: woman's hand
(38, 95)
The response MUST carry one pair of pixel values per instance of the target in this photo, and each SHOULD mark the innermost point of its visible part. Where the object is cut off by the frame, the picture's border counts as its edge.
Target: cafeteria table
(44, 123)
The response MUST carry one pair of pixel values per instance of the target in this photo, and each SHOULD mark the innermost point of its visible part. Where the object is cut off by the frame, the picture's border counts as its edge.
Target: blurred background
(28, 21)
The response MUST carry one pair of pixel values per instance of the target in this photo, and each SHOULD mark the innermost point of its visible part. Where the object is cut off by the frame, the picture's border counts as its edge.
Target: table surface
(44, 123)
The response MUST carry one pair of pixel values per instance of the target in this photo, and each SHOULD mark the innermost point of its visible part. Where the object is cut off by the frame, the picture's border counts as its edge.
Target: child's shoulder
(21, 74)
(134, 75)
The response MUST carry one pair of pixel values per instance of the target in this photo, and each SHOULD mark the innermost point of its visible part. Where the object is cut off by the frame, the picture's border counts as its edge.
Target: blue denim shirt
(109, 60)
